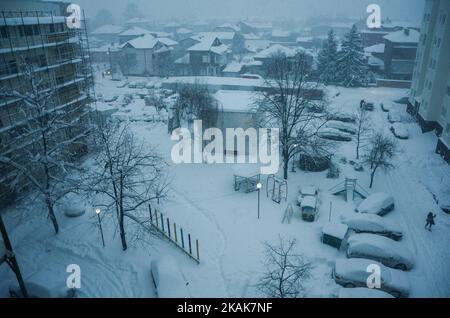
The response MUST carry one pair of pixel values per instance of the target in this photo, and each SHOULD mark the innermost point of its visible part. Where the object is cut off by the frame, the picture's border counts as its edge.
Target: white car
(379, 248)
(394, 116)
(344, 117)
(361, 292)
(168, 279)
(339, 125)
(352, 273)
(400, 130)
(334, 134)
(372, 223)
(377, 203)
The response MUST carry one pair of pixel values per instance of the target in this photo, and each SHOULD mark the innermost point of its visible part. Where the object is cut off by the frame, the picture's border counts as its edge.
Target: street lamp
(258, 187)
(293, 157)
(97, 211)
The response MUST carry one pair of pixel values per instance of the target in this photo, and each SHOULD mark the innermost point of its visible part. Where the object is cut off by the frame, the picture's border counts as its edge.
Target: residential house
(108, 33)
(400, 53)
(144, 56)
(131, 33)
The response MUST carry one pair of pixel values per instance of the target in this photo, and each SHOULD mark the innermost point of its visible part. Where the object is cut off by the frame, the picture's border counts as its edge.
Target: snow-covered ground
(203, 201)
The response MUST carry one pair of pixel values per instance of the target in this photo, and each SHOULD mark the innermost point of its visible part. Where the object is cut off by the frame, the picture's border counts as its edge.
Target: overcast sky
(410, 10)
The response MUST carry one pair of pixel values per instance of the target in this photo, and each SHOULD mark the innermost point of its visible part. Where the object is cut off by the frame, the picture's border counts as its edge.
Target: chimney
(406, 31)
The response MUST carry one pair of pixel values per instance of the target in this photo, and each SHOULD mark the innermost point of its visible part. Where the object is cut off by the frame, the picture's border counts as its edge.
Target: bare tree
(381, 154)
(129, 178)
(363, 129)
(196, 102)
(290, 102)
(52, 135)
(285, 271)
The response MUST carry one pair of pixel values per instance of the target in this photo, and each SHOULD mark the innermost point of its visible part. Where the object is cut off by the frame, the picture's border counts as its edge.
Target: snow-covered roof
(159, 34)
(167, 41)
(251, 36)
(146, 41)
(377, 48)
(134, 31)
(309, 190)
(258, 25)
(220, 35)
(281, 33)
(273, 50)
(183, 60)
(309, 201)
(233, 67)
(304, 39)
(235, 101)
(403, 36)
(137, 20)
(209, 42)
(375, 61)
(108, 29)
(229, 25)
(333, 229)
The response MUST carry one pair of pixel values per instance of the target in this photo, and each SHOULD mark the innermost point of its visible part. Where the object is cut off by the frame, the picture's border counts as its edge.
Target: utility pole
(11, 258)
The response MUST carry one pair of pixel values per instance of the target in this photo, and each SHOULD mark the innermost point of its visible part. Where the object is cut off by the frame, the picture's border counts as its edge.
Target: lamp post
(258, 187)
(97, 211)
(293, 157)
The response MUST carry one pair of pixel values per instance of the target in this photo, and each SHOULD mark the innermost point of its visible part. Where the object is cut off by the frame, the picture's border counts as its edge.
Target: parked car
(400, 130)
(352, 273)
(379, 248)
(339, 125)
(334, 134)
(252, 76)
(305, 191)
(309, 209)
(386, 107)
(371, 223)
(361, 292)
(122, 84)
(394, 116)
(168, 279)
(377, 203)
(344, 117)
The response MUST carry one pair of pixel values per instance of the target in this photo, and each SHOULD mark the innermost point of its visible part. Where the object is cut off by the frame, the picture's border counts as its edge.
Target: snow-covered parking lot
(231, 237)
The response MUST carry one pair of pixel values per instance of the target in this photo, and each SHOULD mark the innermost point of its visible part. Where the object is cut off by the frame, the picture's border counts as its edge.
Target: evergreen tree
(352, 67)
(327, 59)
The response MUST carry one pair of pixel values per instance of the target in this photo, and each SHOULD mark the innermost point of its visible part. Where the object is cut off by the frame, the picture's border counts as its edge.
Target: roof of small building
(147, 41)
(134, 31)
(403, 36)
(220, 35)
(377, 48)
(233, 67)
(167, 41)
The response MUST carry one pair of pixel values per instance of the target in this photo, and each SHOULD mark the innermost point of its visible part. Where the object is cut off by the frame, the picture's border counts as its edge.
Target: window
(205, 59)
(3, 32)
(28, 30)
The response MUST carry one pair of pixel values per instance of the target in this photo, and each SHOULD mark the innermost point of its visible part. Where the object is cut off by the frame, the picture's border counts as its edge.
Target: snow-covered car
(137, 84)
(377, 203)
(168, 279)
(394, 116)
(334, 134)
(400, 130)
(122, 84)
(308, 208)
(339, 125)
(310, 190)
(251, 76)
(372, 223)
(379, 248)
(344, 117)
(354, 272)
(361, 292)
(386, 107)
(110, 99)
(150, 85)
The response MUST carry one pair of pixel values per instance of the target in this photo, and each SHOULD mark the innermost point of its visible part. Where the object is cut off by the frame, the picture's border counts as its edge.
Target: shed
(334, 233)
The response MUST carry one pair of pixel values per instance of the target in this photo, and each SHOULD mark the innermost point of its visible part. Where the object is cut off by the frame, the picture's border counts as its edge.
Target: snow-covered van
(377, 203)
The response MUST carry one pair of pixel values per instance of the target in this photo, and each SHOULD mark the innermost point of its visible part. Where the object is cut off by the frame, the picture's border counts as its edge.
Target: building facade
(430, 92)
(36, 35)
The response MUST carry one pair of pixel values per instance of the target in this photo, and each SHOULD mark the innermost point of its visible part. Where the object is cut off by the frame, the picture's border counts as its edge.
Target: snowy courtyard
(231, 238)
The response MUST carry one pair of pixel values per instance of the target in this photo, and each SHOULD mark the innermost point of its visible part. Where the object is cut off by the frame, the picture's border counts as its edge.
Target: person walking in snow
(361, 103)
(430, 220)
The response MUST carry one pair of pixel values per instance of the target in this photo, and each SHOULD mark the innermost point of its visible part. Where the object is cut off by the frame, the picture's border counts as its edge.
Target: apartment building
(430, 91)
(35, 33)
